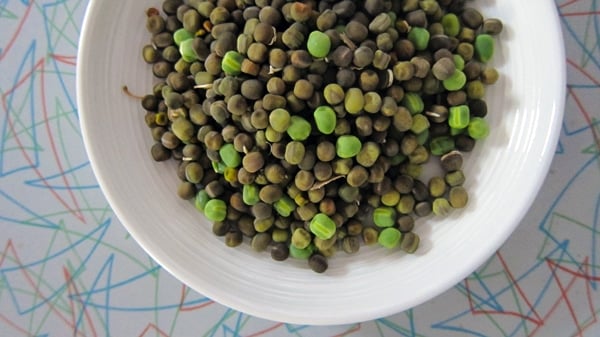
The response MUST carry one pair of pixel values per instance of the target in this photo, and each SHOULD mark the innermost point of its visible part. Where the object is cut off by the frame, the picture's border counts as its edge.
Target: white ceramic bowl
(504, 174)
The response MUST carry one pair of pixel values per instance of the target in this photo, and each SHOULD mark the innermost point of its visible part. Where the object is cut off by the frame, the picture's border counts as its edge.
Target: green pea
(384, 216)
(455, 178)
(181, 35)
(389, 237)
(201, 199)
(458, 116)
(456, 81)
(459, 62)
(413, 102)
(299, 128)
(484, 47)
(451, 24)
(347, 146)
(232, 63)
(302, 254)
(322, 226)
(215, 210)
(229, 155)
(419, 37)
(478, 128)
(325, 119)
(250, 194)
(318, 44)
(284, 206)
(186, 50)
(441, 145)
(279, 119)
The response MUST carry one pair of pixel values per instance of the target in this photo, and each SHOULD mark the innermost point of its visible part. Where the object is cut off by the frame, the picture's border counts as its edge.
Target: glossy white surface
(504, 174)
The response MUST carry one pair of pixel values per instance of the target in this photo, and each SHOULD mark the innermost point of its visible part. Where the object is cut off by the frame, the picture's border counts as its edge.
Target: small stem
(323, 183)
(128, 93)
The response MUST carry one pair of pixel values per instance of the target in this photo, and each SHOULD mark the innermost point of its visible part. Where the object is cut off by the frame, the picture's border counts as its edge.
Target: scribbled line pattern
(68, 268)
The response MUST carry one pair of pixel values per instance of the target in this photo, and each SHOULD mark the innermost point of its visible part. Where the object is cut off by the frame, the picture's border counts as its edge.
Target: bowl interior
(504, 173)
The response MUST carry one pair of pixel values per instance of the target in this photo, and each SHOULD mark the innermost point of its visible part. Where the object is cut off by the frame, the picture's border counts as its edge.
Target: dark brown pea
(326, 20)
(304, 180)
(464, 143)
(356, 31)
(357, 176)
(220, 228)
(456, 98)
(244, 177)
(252, 89)
(264, 33)
(404, 49)
(492, 26)
(309, 160)
(478, 107)
(345, 77)
(322, 171)
(351, 244)
(420, 191)
(471, 18)
(318, 263)
(325, 151)
(417, 18)
(404, 183)
(300, 59)
(280, 251)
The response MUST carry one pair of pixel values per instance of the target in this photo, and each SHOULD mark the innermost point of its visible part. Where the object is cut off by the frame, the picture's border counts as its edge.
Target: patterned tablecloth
(69, 268)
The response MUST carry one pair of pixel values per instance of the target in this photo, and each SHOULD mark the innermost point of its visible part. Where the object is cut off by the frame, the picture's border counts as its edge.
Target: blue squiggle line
(48, 223)
(29, 56)
(37, 182)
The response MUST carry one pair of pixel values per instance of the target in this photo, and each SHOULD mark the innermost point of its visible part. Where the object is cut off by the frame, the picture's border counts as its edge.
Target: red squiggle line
(567, 3)
(190, 308)
(580, 13)
(15, 326)
(39, 66)
(582, 71)
(70, 60)
(18, 31)
(153, 326)
(346, 333)
(586, 116)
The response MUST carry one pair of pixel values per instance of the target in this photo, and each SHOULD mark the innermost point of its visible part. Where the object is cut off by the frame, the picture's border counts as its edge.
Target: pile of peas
(304, 126)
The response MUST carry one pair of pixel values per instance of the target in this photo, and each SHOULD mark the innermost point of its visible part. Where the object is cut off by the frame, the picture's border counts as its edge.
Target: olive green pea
(403, 70)
(348, 146)
(275, 173)
(194, 172)
(270, 193)
(253, 161)
(306, 212)
(389, 237)
(333, 93)
(441, 206)
(350, 244)
(475, 90)
(437, 186)
(304, 180)
(373, 102)
(325, 151)
(294, 152)
(370, 235)
(354, 101)
(489, 75)
(357, 176)
(484, 47)
(293, 37)
(406, 204)
(368, 154)
(410, 242)
(403, 119)
(280, 235)
(279, 119)
(260, 242)
(259, 119)
(215, 210)
(420, 123)
(183, 129)
(299, 128)
(455, 178)
(349, 193)
(263, 225)
(303, 89)
(492, 26)
(458, 197)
